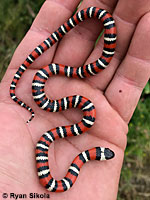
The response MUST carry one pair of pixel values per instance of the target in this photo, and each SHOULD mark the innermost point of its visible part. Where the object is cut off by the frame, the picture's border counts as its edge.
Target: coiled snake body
(97, 153)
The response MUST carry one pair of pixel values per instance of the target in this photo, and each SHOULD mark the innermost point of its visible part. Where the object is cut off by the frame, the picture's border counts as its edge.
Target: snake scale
(76, 101)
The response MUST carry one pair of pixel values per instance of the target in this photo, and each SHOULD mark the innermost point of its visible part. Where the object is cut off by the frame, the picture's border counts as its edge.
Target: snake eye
(108, 154)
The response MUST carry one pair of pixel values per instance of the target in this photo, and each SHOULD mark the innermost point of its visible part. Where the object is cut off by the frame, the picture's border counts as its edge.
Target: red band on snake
(89, 113)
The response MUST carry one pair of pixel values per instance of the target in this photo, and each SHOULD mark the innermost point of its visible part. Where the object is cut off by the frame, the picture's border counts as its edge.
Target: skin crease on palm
(115, 93)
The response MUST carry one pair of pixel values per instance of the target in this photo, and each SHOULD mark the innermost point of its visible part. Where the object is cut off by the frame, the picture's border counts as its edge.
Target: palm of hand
(17, 145)
(21, 144)
(21, 156)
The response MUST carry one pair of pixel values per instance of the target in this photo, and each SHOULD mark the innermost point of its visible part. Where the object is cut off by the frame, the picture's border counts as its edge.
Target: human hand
(114, 92)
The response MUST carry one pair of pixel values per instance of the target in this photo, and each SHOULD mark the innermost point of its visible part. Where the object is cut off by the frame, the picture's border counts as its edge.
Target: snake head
(109, 154)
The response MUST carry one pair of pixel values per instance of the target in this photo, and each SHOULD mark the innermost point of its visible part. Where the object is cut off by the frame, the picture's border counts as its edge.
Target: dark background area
(16, 17)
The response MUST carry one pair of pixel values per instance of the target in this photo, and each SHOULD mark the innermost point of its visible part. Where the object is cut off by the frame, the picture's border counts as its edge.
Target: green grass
(16, 16)
(135, 176)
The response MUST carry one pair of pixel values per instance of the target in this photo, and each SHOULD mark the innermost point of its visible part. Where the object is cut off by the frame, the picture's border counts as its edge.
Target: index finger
(51, 15)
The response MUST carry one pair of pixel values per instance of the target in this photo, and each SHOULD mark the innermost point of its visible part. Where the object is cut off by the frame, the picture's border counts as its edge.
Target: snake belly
(76, 101)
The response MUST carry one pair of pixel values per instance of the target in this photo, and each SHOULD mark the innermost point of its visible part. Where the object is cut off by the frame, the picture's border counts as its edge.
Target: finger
(51, 15)
(76, 46)
(125, 89)
(126, 15)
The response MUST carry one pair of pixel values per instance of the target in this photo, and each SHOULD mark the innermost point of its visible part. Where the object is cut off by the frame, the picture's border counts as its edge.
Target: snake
(75, 101)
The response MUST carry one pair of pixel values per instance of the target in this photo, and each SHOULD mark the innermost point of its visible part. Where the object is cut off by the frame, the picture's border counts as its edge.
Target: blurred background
(16, 16)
